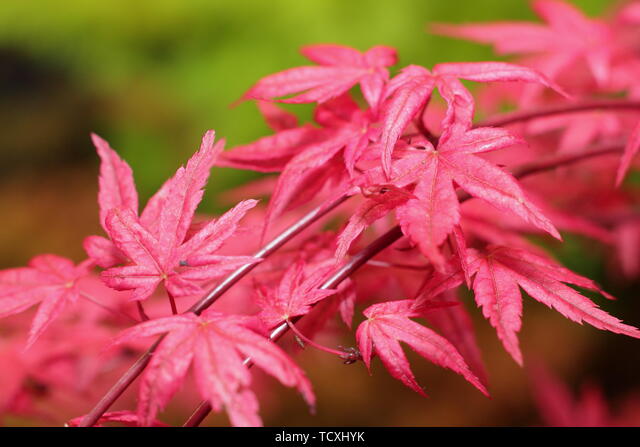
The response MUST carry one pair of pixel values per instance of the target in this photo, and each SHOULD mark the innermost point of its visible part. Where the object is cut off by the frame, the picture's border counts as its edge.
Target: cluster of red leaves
(408, 161)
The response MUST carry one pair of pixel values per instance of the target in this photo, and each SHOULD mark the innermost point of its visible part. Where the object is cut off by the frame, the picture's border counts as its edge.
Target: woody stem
(526, 115)
(568, 159)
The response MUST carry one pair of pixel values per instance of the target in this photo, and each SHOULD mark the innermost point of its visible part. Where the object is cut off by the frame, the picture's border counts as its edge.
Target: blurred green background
(151, 76)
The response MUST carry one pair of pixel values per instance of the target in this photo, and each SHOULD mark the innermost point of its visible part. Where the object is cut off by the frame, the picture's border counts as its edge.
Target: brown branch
(568, 159)
(526, 115)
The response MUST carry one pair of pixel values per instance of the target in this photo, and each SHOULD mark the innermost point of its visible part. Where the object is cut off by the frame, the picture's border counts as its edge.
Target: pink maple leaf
(310, 159)
(273, 152)
(156, 246)
(49, 280)
(501, 272)
(388, 324)
(568, 37)
(434, 213)
(340, 68)
(297, 292)
(117, 188)
(216, 345)
(276, 118)
(411, 90)
(117, 191)
(180, 264)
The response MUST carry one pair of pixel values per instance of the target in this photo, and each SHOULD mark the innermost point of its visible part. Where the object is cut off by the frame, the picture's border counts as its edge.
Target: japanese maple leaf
(276, 118)
(410, 91)
(502, 271)
(295, 294)
(49, 280)
(390, 323)
(340, 68)
(180, 264)
(429, 218)
(381, 196)
(310, 159)
(116, 190)
(567, 37)
(273, 152)
(216, 345)
(156, 245)
(116, 185)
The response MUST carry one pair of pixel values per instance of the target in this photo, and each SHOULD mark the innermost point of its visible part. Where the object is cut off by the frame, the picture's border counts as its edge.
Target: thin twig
(304, 340)
(568, 159)
(527, 115)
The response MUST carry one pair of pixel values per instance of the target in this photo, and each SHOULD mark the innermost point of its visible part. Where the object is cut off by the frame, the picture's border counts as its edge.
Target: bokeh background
(151, 76)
